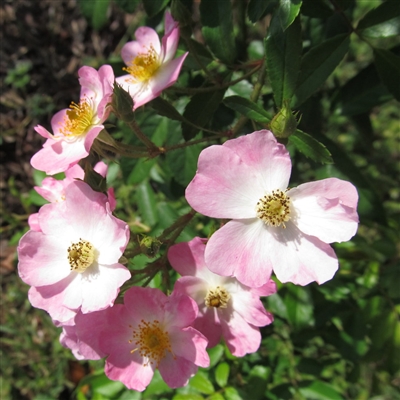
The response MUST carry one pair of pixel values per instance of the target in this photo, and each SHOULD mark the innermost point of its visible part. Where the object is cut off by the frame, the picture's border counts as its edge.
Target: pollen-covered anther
(274, 208)
(81, 255)
(217, 297)
(151, 341)
(78, 118)
(143, 66)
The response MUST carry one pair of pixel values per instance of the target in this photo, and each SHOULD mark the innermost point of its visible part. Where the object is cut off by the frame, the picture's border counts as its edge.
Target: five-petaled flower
(226, 307)
(72, 262)
(272, 227)
(75, 128)
(150, 64)
(149, 331)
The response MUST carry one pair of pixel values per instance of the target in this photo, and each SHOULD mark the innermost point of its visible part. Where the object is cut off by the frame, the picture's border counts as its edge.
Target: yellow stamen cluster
(79, 118)
(217, 297)
(81, 255)
(274, 209)
(143, 66)
(151, 341)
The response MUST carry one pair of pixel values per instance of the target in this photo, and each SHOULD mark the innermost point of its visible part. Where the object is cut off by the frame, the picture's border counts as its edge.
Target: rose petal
(241, 249)
(189, 344)
(224, 186)
(188, 258)
(302, 259)
(265, 156)
(240, 337)
(176, 371)
(326, 209)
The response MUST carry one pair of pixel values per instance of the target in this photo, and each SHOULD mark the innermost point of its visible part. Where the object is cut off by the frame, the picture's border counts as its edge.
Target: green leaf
(381, 22)
(167, 215)
(388, 66)
(382, 328)
(222, 374)
(215, 354)
(216, 396)
(146, 202)
(316, 9)
(283, 51)
(202, 54)
(183, 163)
(310, 147)
(199, 111)
(129, 6)
(299, 307)
(318, 390)
(129, 395)
(232, 394)
(248, 108)
(95, 11)
(257, 9)
(157, 386)
(38, 176)
(277, 306)
(288, 11)
(201, 383)
(104, 386)
(36, 198)
(317, 64)
(216, 18)
(166, 109)
(257, 382)
(188, 396)
(153, 7)
(140, 171)
(361, 93)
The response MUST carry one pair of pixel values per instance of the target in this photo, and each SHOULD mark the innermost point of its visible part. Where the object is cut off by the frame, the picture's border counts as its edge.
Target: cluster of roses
(70, 256)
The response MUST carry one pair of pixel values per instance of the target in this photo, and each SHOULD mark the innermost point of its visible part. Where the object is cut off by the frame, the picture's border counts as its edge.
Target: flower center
(81, 255)
(78, 119)
(151, 341)
(217, 298)
(274, 209)
(143, 66)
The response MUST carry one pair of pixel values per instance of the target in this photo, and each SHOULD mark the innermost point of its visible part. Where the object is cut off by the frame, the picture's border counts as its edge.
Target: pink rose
(150, 64)
(273, 227)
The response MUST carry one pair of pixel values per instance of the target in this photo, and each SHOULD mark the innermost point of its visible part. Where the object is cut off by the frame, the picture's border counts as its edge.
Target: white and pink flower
(149, 331)
(227, 308)
(273, 227)
(75, 128)
(150, 64)
(72, 262)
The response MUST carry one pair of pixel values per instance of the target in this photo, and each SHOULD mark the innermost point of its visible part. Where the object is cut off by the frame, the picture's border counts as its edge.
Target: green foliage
(317, 64)
(246, 107)
(381, 22)
(388, 66)
(199, 111)
(310, 147)
(216, 18)
(287, 12)
(283, 52)
(154, 7)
